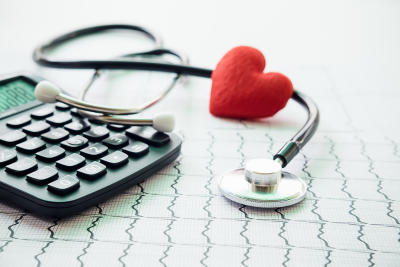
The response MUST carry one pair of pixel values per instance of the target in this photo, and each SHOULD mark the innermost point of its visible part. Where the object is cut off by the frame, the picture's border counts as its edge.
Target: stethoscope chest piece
(263, 184)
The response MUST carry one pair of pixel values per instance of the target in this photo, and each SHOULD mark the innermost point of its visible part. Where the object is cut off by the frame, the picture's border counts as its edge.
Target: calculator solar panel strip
(42, 191)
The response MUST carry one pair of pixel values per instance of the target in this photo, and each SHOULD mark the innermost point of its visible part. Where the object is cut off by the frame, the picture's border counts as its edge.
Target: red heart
(240, 89)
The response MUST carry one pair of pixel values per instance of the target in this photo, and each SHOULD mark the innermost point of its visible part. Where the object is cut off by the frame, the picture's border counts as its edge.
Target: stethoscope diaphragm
(288, 190)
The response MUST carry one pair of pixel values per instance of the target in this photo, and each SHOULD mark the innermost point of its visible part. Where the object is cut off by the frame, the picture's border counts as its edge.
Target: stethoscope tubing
(127, 65)
(285, 154)
(294, 145)
(39, 54)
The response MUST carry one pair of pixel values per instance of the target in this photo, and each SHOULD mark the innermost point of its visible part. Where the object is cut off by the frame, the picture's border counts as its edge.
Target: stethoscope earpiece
(48, 92)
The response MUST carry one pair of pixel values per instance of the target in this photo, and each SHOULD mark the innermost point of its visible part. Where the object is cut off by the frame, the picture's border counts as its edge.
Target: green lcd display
(16, 93)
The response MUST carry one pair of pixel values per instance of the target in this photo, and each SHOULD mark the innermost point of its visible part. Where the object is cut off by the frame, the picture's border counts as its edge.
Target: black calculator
(55, 162)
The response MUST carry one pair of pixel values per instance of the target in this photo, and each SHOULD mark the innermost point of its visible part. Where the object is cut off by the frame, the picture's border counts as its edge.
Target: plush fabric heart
(240, 89)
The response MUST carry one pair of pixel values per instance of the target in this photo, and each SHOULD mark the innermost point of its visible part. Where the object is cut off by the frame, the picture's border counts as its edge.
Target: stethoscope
(261, 183)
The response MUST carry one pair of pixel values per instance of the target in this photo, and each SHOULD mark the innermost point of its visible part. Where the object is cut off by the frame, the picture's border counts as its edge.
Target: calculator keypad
(37, 128)
(116, 141)
(19, 122)
(42, 113)
(75, 112)
(62, 106)
(97, 133)
(117, 127)
(96, 122)
(7, 157)
(59, 119)
(77, 127)
(148, 135)
(43, 175)
(22, 167)
(92, 171)
(51, 154)
(136, 149)
(72, 162)
(55, 136)
(31, 146)
(13, 138)
(94, 151)
(51, 148)
(75, 143)
(64, 185)
(115, 159)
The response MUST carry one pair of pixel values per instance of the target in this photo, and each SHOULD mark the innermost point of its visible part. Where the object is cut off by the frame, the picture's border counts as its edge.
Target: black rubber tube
(293, 146)
(123, 63)
(286, 153)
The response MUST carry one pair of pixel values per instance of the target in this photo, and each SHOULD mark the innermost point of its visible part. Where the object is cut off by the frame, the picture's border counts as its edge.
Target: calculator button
(31, 146)
(13, 138)
(7, 157)
(42, 113)
(148, 135)
(19, 122)
(64, 185)
(115, 159)
(75, 112)
(77, 127)
(116, 141)
(75, 143)
(92, 171)
(95, 151)
(62, 106)
(37, 128)
(51, 154)
(22, 167)
(136, 149)
(96, 122)
(72, 162)
(43, 175)
(97, 133)
(59, 119)
(117, 127)
(55, 136)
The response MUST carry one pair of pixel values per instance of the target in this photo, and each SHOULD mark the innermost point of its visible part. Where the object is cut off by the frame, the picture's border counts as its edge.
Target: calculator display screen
(16, 93)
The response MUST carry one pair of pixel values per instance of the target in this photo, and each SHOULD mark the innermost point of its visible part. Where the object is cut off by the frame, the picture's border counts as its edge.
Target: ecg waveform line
(284, 222)
(178, 217)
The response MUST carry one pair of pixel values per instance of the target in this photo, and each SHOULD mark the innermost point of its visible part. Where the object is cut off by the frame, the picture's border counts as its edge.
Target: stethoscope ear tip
(47, 92)
(164, 122)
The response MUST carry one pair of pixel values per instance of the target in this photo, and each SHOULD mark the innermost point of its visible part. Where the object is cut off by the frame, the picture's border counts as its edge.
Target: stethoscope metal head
(262, 183)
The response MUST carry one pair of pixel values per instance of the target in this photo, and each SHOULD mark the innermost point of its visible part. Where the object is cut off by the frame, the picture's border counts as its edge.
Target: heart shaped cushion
(240, 89)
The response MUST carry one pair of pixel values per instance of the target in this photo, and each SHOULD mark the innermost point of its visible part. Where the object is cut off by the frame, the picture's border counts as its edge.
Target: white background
(287, 32)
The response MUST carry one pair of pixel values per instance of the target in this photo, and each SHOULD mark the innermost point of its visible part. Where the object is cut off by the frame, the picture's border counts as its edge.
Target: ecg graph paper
(177, 217)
